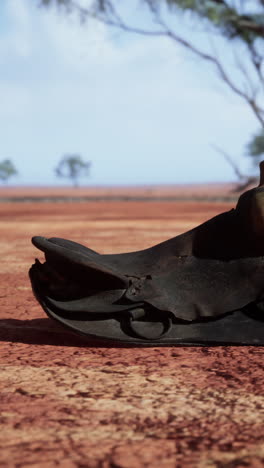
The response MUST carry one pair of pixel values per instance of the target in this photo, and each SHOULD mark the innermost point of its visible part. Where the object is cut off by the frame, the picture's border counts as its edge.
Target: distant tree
(73, 167)
(7, 170)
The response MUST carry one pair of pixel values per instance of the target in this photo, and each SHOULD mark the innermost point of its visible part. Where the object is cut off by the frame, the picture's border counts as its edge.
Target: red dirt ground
(65, 402)
(226, 190)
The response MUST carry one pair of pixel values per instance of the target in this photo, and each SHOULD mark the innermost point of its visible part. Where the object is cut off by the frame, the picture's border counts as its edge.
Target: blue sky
(141, 109)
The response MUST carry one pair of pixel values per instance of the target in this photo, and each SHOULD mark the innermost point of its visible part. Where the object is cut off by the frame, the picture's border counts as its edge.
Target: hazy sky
(139, 108)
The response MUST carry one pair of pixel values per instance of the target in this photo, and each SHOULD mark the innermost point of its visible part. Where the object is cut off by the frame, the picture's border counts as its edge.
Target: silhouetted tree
(7, 170)
(73, 167)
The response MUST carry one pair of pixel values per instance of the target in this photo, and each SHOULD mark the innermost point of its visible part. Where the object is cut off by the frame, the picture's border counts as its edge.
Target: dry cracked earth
(66, 402)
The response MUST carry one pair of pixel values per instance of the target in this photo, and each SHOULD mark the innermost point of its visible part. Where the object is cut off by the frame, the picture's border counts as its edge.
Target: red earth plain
(66, 402)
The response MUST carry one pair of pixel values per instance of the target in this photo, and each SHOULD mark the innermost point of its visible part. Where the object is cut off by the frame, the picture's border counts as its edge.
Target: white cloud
(94, 45)
(16, 42)
(72, 43)
(16, 100)
(19, 13)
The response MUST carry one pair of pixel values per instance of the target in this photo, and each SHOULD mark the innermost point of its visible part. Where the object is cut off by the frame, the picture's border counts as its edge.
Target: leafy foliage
(234, 19)
(73, 167)
(256, 146)
(7, 170)
(229, 17)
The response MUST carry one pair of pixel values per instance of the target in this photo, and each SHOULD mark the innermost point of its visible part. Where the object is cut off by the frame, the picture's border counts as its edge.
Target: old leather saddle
(203, 287)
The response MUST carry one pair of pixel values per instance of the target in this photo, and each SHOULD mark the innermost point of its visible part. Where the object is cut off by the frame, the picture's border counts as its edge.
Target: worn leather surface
(210, 271)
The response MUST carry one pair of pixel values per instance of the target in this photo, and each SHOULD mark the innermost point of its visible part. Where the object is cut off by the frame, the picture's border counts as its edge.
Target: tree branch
(245, 181)
(110, 17)
(258, 62)
(114, 19)
(230, 161)
(259, 113)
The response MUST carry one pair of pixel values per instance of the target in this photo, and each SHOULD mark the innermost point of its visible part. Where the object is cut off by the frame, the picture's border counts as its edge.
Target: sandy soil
(65, 402)
(213, 190)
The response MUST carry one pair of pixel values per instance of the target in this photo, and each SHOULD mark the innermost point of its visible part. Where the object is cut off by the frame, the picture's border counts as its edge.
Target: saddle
(203, 287)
